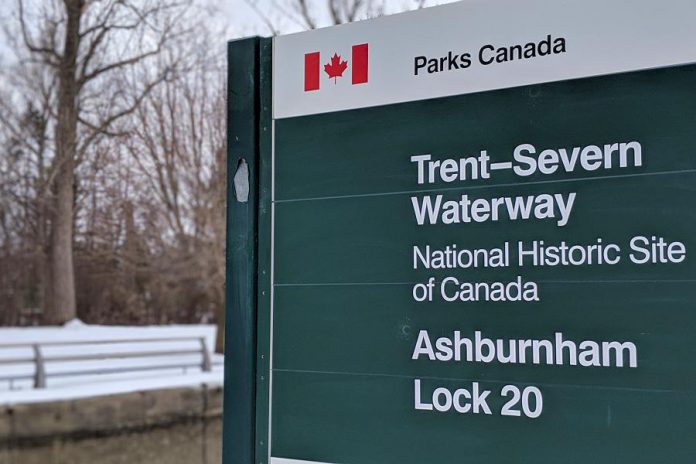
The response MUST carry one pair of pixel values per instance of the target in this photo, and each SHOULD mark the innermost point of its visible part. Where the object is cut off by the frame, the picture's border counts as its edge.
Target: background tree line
(112, 169)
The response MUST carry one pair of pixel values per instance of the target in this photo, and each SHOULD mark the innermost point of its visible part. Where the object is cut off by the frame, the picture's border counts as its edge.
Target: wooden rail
(39, 358)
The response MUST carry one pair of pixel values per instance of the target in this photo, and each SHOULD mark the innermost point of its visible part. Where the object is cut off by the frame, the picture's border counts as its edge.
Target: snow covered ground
(159, 367)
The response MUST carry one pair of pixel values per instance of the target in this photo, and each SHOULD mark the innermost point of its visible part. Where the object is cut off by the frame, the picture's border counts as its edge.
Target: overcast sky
(244, 21)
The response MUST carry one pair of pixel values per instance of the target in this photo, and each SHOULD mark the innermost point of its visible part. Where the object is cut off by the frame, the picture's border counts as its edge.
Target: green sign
(499, 276)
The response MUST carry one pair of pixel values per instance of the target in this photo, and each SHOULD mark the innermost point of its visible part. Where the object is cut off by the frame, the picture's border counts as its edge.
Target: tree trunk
(62, 306)
(40, 262)
(220, 339)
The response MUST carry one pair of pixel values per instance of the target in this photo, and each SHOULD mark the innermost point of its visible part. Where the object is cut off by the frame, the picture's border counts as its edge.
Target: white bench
(33, 358)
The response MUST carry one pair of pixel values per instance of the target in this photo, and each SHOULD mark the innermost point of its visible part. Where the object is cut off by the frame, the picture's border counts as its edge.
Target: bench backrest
(83, 358)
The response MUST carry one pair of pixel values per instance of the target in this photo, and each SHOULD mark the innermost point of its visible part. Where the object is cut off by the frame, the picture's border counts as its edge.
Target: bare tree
(147, 179)
(24, 185)
(90, 47)
(178, 143)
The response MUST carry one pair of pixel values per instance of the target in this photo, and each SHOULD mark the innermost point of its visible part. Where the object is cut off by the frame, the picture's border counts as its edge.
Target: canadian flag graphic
(334, 68)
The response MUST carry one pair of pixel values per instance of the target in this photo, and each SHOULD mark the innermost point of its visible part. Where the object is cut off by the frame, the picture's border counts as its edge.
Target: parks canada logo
(335, 67)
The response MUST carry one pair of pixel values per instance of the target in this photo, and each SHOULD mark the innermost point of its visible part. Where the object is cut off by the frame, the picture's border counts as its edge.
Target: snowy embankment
(165, 357)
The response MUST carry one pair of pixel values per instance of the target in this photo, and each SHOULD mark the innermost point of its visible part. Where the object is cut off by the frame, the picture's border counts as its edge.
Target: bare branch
(51, 55)
(102, 128)
(118, 64)
(304, 12)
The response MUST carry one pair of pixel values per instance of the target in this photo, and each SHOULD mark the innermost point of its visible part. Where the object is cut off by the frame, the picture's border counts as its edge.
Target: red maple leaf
(336, 67)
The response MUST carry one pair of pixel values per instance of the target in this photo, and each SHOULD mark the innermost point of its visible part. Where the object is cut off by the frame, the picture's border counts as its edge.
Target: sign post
(471, 238)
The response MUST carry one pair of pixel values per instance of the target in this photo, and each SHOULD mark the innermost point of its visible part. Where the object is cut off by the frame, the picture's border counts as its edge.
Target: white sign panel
(453, 49)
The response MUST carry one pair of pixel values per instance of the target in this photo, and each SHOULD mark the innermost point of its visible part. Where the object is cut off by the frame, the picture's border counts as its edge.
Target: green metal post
(244, 133)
